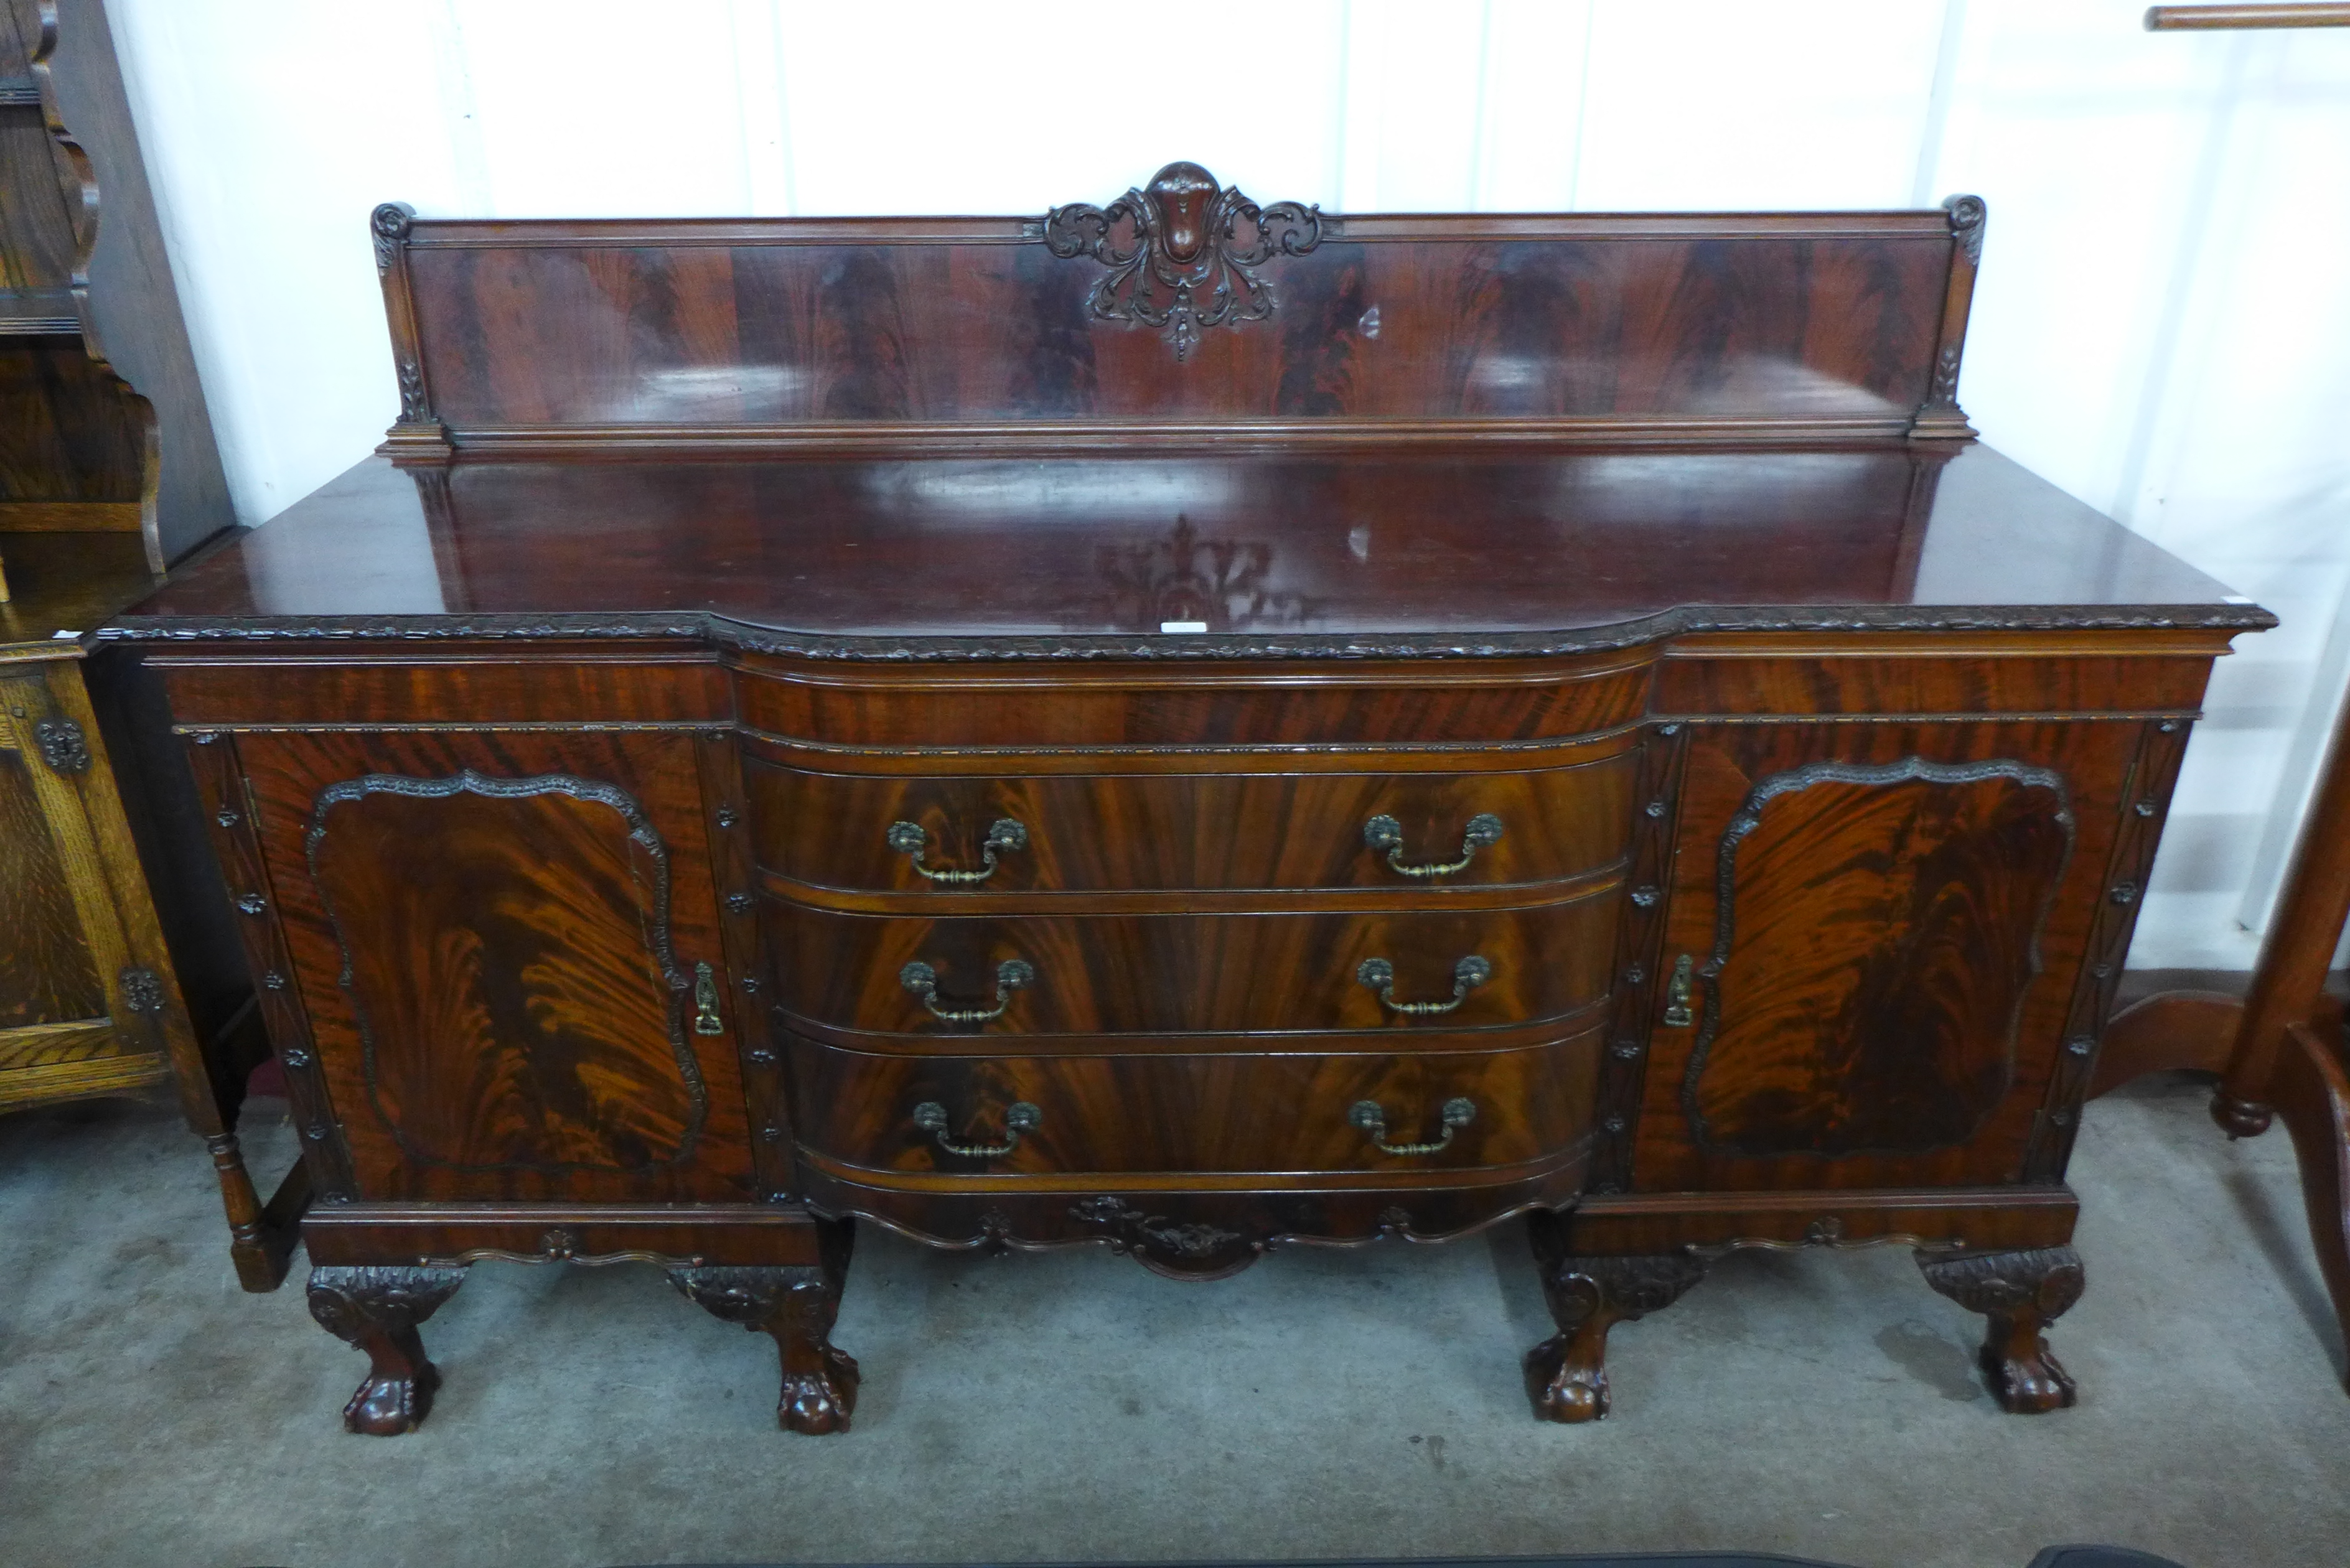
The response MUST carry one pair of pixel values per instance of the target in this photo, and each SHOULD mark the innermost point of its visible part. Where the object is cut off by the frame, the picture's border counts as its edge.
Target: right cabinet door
(1888, 948)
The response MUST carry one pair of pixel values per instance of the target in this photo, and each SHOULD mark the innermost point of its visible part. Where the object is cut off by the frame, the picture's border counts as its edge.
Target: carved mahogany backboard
(1181, 304)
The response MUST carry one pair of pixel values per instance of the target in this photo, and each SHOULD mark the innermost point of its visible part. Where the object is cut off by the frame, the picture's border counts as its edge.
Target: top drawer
(1010, 833)
(1141, 709)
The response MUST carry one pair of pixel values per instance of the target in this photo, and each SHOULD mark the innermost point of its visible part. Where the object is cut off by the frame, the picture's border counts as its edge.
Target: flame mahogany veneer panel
(1883, 1001)
(519, 916)
(548, 324)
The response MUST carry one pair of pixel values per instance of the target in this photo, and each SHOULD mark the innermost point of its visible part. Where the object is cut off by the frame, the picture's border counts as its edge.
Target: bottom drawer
(967, 1121)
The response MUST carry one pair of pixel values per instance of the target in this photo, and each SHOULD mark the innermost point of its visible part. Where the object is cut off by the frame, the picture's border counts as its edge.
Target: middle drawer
(1079, 833)
(1167, 974)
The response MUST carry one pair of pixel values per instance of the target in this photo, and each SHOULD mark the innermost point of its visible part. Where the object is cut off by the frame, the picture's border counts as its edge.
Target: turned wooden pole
(2303, 933)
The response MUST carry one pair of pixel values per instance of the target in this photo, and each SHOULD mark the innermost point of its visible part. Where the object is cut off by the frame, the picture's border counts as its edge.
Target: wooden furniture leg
(795, 1305)
(2311, 1091)
(376, 1308)
(2022, 1292)
(1567, 1376)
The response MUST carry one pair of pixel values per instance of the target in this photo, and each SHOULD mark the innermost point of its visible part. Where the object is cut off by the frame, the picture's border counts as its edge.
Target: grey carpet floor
(1070, 1406)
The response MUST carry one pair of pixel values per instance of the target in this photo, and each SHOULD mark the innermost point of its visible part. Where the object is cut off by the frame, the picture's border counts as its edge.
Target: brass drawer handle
(705, 1002)
(931, 1118)
(1386, 833)
(923, 981)
(1457, 1113)
(1467, 976)
(1004, 835)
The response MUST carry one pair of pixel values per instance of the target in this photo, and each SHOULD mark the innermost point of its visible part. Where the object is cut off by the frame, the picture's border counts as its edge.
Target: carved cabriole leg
(796, 1304)
(1567, 1376)
(377, 1308)
(2021, 1292)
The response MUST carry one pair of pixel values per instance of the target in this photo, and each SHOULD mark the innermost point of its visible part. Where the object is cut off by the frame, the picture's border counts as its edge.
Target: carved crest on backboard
(1181, 249)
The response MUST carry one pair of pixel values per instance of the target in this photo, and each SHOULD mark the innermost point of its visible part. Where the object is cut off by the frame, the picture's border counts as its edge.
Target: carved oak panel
(46, 973)
(499, 941)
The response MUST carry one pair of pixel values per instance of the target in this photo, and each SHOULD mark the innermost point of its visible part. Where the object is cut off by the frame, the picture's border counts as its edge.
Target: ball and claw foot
(796, 1305)
(2019, 1293)
(1563, 1385)
(1567, 1376)
(377, 1308)
(820, 1401)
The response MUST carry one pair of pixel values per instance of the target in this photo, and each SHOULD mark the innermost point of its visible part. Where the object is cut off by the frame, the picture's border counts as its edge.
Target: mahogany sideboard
(1193, 727)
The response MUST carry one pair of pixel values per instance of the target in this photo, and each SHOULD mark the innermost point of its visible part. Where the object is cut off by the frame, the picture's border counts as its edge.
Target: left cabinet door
(87, 1002)
(505, 951)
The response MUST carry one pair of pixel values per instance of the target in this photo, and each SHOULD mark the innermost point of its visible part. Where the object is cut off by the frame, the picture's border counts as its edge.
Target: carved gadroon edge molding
(1179, 251)
(729, 633)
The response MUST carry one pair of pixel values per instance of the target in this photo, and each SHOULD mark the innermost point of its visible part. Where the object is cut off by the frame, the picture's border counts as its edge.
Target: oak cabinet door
(1875, 950)
(509, 952)
(84, 997)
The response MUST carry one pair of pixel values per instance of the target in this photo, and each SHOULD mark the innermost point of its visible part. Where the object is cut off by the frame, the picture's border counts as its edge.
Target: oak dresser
(1191, 726)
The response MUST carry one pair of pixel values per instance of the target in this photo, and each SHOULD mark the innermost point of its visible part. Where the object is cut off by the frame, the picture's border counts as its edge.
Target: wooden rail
(2219, 18)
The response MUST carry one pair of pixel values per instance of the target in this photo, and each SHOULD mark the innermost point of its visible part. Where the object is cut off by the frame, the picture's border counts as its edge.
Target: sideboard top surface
(1275, 555)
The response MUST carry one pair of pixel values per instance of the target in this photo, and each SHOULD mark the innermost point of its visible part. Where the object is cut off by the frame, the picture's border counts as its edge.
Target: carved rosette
(63, 745)
(1179, 251)
(142, 989)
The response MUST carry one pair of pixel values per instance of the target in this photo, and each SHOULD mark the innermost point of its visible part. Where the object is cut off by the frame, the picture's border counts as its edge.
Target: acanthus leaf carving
(1966, 216)
(389, 225)
(414, 409)
(1179, 1249)
(1179, 251)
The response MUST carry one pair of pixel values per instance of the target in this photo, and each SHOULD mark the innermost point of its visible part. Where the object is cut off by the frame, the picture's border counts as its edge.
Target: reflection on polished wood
(1570, 549)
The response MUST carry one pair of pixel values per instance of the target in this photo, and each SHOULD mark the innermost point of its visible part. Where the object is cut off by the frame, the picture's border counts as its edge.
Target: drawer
(1074, 833)
(1258, 1114)
(1146, 707)
(1086, 974)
